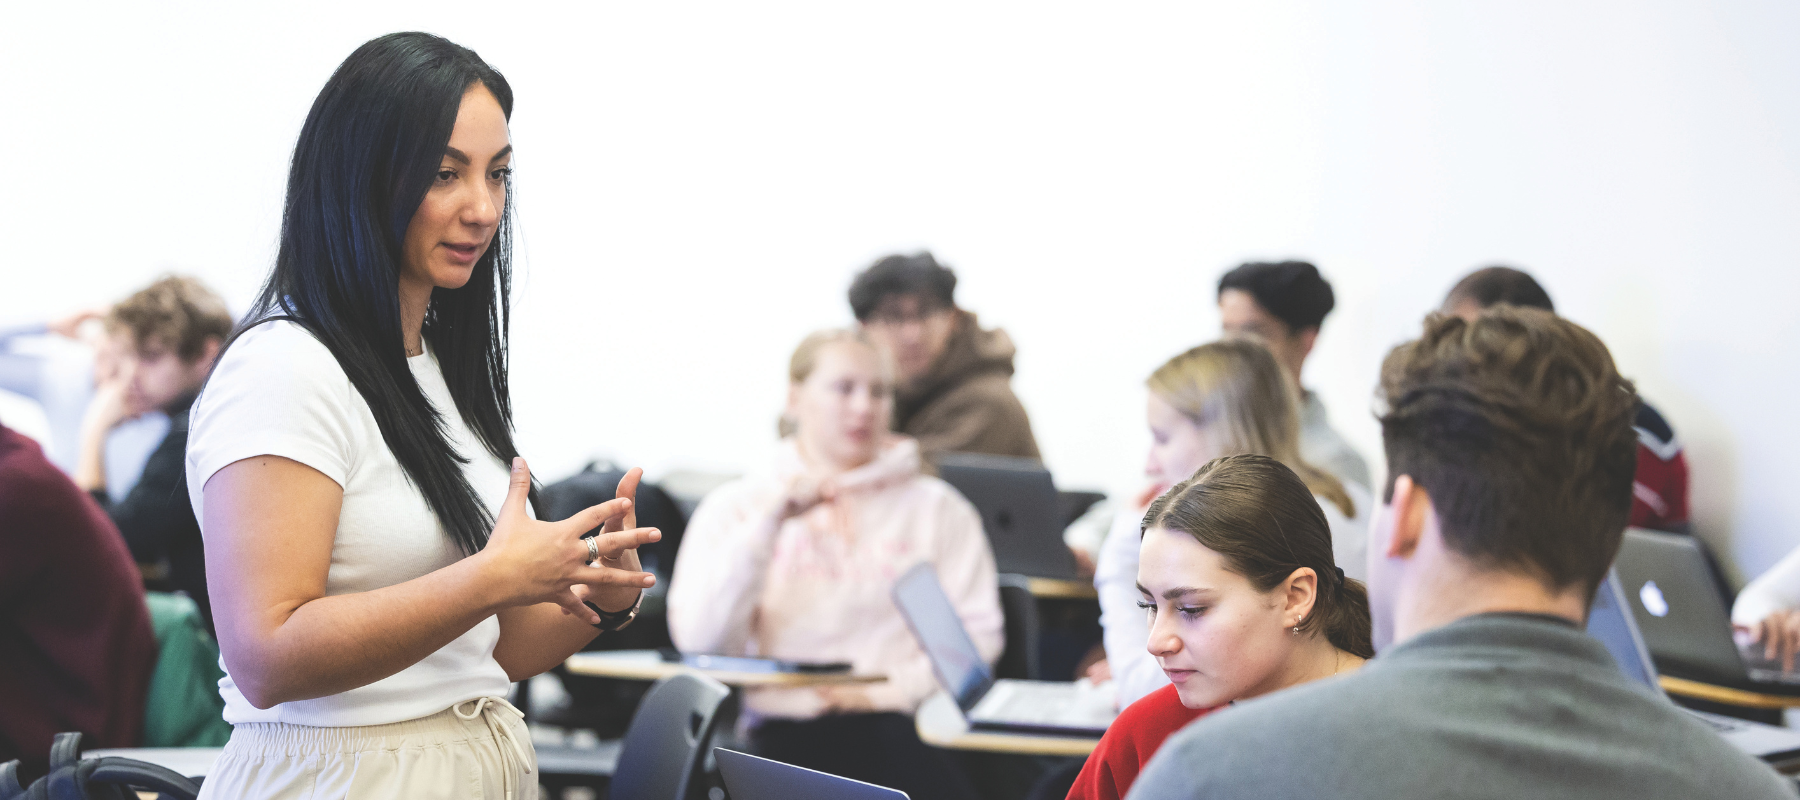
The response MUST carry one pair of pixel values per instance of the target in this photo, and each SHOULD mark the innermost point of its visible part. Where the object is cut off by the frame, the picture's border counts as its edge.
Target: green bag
(184, 708)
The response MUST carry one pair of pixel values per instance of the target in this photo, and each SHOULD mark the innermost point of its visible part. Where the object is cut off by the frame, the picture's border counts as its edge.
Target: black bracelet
(615, 620)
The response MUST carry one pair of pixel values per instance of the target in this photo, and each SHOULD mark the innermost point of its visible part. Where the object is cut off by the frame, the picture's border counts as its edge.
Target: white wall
(697, 183)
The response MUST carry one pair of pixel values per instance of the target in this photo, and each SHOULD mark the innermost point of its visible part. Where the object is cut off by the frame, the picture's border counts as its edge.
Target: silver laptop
(1056, 707)
(1669, 584)
(749, 777)
(1019, 510)
(1608, 622)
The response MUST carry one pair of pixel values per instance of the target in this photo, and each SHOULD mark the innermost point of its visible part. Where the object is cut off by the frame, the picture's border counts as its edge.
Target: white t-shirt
(279, 392)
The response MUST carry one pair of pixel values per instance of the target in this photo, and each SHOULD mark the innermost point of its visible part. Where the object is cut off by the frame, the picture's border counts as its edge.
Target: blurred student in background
(166, 337)
(1217, 399)
(1659, 493)
(1243, 596)
(954, 386)
(797, 563)
(76, 646)
(1284, 304)
(59, 365)
(1510, 453)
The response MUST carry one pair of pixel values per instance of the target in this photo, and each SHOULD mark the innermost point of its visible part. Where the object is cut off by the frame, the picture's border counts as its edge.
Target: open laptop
(1618, 630)
(1672, 592)
(1019, 510)
(1068, 707)
(749, 777)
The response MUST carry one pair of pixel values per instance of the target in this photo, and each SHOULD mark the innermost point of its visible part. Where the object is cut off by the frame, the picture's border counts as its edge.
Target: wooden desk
(648, 665)
(1060, 589)
(1727, 695)
(940, 724)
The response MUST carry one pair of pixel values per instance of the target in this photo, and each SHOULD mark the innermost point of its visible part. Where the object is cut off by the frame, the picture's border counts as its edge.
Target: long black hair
(370, 148)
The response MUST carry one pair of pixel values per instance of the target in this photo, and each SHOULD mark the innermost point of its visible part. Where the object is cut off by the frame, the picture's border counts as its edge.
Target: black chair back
(1019, 658)
(665, 747)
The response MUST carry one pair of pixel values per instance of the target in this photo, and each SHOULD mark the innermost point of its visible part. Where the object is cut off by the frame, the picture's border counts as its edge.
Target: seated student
(169, 335)
(1659, 493)
(954, 393)
(58, 364)
(1244, 598)
(1767, 611)
(1216, 399)
(798, 562)
(1510, 453)
(1284, 303)
(76, 647)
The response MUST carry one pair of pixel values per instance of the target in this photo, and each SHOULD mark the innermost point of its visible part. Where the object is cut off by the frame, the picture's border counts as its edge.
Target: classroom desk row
(939, 722)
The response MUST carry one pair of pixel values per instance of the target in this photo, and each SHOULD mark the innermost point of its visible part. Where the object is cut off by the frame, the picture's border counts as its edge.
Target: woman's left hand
(609, 597)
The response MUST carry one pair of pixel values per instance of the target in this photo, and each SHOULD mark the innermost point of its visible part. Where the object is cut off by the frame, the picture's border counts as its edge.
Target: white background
(697, 184)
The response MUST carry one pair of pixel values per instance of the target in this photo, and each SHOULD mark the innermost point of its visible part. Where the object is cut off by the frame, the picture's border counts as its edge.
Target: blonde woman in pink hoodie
(797, 562)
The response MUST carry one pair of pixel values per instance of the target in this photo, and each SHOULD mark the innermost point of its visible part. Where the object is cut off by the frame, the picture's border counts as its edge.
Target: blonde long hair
(1238, 392)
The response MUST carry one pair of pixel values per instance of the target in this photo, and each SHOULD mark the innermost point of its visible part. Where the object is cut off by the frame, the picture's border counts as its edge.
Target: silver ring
(593, 549)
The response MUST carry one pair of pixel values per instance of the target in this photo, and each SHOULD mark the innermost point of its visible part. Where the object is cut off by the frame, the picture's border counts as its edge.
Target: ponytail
(1263, 519)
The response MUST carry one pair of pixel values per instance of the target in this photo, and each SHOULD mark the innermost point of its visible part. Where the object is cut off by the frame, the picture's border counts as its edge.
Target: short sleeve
(277, 391)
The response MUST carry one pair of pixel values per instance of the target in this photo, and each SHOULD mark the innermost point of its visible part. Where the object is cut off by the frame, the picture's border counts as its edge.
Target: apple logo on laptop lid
(1652, 598)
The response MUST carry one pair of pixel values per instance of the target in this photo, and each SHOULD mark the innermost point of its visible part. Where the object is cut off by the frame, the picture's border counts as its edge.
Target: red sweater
(76, 647)
(1130, 742)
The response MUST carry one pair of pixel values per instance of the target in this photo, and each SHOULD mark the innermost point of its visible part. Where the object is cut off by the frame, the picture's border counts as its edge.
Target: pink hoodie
(815, 588)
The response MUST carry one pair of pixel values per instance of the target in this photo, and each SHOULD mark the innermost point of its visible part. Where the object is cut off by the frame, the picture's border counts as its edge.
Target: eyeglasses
(897, 317)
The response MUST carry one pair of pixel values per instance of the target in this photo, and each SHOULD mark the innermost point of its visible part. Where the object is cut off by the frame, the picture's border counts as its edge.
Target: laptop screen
(940, 631)
(1611, 621)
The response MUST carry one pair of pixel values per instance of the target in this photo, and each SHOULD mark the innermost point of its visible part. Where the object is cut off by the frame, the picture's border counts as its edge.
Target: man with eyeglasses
(953, 389)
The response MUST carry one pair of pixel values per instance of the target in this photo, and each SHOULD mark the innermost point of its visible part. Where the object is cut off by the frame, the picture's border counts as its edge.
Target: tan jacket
(965, 403)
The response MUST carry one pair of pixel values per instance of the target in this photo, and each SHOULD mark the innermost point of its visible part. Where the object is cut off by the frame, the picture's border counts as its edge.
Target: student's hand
(69, 327)
(802, 495)
(1779, 634)
(1084, 563)
(846, 700)
(533, 561)
(1099, 672)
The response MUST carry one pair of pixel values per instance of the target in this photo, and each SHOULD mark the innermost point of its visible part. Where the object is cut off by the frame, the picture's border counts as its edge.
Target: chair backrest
(1019, 658)
(666, 744)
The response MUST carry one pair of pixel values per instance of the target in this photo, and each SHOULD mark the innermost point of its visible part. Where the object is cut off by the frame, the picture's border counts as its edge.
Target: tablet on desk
(747, 664)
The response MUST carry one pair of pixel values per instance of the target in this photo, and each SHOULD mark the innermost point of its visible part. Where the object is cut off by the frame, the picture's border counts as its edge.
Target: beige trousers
(477, 750)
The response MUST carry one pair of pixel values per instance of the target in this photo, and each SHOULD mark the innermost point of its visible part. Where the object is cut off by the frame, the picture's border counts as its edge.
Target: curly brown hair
(176, 313)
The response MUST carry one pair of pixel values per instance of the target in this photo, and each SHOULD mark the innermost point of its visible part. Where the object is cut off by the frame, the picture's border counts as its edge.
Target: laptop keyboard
(1034, 702)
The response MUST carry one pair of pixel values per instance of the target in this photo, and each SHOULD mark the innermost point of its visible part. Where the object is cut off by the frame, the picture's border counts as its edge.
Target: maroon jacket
(76, 647)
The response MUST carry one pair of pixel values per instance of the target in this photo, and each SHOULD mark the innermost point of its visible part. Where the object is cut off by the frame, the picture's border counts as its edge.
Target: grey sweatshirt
(1504, 706)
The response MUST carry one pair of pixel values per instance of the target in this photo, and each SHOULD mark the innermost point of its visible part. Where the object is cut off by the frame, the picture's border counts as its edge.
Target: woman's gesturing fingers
(518, 490)
(613, 545)
(601, 577)
(602, 516)
(628, 486)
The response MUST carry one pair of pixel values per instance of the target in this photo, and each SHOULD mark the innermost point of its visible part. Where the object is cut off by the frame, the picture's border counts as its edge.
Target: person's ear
(792, 410)
(1409, 509)
(1305, 338)
(1302, 590)
(209, 349)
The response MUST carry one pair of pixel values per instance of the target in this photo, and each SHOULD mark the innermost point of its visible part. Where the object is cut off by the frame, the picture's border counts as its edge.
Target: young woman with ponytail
(1243, 598)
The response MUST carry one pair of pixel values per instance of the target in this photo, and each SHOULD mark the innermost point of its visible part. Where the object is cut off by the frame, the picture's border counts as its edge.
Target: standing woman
(377, 579)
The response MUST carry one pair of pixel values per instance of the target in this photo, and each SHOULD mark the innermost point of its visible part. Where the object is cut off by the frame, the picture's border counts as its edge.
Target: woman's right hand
(534, 561)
